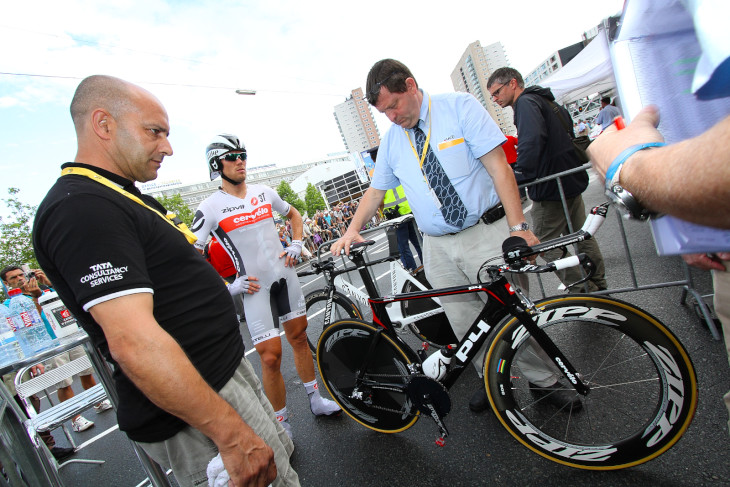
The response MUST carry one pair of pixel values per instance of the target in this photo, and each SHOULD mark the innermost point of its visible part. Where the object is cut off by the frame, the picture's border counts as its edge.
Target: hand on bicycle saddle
(350, 237)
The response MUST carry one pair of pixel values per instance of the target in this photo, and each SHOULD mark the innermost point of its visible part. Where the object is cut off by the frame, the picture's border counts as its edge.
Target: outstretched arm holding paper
(689, 180)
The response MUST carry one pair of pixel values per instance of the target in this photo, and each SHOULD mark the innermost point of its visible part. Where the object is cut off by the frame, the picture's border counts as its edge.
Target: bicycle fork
(557, 357)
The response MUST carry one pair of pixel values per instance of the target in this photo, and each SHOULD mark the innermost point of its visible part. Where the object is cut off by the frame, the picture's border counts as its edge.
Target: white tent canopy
(589, 72)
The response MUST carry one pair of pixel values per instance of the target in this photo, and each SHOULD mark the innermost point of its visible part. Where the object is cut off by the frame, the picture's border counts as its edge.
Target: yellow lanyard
(180, 226)
(422, 157)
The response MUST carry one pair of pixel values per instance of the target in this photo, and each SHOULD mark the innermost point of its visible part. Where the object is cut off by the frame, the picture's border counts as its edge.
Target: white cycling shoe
(321, 406)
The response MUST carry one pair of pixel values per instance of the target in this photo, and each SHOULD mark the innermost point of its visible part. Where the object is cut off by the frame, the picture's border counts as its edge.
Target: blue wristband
(618, 162)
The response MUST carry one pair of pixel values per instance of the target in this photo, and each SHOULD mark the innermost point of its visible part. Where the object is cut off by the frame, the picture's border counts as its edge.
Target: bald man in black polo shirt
(185, 390)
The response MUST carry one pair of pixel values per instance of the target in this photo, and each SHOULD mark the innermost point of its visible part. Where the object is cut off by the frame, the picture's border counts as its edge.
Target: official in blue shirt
(607, 114)
(467, 144)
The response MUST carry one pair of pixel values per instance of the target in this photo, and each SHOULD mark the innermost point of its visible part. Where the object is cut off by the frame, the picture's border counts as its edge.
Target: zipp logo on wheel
(590, 454)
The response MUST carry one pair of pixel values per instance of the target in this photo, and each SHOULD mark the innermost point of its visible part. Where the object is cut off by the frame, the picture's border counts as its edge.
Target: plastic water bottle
(61, 320)
(16, 324)
(33, 331)
(10, 350)
(436, 364)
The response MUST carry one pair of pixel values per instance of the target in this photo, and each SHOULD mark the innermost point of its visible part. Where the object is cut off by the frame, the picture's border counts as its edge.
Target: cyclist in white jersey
(241, 217)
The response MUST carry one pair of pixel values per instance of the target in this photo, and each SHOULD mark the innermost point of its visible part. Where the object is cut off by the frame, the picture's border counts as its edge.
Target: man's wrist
(617, 193)
(520, 227)
(618, 162)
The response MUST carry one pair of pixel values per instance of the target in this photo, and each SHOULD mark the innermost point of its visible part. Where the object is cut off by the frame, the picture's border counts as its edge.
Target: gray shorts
(189, 451)
(65, 358)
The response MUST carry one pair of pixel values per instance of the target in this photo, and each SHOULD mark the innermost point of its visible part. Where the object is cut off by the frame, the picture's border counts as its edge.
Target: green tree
(16, 244)
(175, 204)
(313, 199)
(288, 195)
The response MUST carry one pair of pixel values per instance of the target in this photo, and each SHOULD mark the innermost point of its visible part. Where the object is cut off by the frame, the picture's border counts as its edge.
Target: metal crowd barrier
(686, 283)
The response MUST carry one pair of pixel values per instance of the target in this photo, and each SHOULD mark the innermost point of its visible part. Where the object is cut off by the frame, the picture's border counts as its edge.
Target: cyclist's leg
(290, 303)
(269, 351)
(296, 335)
(264, 333)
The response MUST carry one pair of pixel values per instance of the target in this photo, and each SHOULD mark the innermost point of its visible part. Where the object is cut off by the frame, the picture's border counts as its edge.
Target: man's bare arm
(365, 210)
(140, 345)
(297, 224)
(506, 186)
(690, 179)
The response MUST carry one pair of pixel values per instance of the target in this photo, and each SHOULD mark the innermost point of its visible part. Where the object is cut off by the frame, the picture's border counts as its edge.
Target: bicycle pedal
(440, 441)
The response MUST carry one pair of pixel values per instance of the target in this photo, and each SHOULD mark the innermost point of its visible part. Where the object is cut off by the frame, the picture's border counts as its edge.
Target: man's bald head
(120, 127)
(100, 91)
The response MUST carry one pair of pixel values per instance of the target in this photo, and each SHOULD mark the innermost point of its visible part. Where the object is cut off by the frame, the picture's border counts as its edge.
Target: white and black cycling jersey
(246, 229)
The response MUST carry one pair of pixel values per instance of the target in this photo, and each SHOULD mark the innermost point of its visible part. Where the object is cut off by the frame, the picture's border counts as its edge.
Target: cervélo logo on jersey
(243, 219)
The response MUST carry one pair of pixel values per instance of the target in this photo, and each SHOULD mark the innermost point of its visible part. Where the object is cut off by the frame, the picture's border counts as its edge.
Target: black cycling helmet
(220, 145)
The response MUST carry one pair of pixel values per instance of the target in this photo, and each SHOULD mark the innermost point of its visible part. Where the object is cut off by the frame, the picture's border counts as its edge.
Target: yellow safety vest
(397, 197)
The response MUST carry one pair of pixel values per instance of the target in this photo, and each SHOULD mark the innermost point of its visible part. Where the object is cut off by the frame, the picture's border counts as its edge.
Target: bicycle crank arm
(432, 399)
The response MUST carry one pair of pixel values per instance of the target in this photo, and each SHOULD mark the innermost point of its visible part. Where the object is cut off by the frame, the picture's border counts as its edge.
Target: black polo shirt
(95, 244)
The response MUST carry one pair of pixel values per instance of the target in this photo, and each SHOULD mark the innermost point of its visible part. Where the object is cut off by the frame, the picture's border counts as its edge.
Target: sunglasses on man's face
(233, 156)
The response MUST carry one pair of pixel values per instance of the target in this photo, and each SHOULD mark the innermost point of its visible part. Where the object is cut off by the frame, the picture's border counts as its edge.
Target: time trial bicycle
(340, 299)
(635, 381)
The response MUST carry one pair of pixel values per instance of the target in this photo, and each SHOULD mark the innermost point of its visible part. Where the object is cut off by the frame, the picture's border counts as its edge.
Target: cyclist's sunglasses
(233, 156)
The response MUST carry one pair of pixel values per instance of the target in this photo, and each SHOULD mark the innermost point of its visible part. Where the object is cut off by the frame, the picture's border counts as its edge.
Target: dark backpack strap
(544, 104)
(556, 110)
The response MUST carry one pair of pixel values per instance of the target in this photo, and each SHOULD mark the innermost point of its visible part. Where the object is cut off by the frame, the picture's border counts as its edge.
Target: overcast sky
(302, 58)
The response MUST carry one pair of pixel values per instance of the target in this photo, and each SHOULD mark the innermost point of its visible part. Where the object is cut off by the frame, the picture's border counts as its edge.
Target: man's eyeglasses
(233, 156)
(375, 90)
(496, 92)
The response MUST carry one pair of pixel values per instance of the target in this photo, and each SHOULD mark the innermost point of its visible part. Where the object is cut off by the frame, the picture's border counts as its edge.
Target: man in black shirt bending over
(185, 390)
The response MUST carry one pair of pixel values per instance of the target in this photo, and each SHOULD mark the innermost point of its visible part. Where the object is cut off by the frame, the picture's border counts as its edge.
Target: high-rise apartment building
(356, 123)
(472, 73)
(553, 63)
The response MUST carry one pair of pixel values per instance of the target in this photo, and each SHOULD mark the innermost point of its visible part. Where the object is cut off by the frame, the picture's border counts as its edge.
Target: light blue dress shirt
(461, 132)
(606, 115)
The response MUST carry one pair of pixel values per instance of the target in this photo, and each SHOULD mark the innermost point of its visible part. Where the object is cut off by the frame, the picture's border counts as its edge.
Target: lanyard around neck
(422, 157)
(180, 226)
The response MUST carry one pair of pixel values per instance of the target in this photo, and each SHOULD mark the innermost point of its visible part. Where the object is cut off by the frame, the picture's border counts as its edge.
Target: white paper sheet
(655, 58)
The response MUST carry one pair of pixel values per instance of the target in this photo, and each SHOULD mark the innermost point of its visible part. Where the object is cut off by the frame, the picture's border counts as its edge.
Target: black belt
(490, 216)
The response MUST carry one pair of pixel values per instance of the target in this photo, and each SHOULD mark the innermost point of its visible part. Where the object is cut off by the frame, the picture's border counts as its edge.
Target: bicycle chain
(396, 411)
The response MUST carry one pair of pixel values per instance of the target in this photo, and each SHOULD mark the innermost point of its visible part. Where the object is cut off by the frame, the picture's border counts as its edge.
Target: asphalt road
(338, 451)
